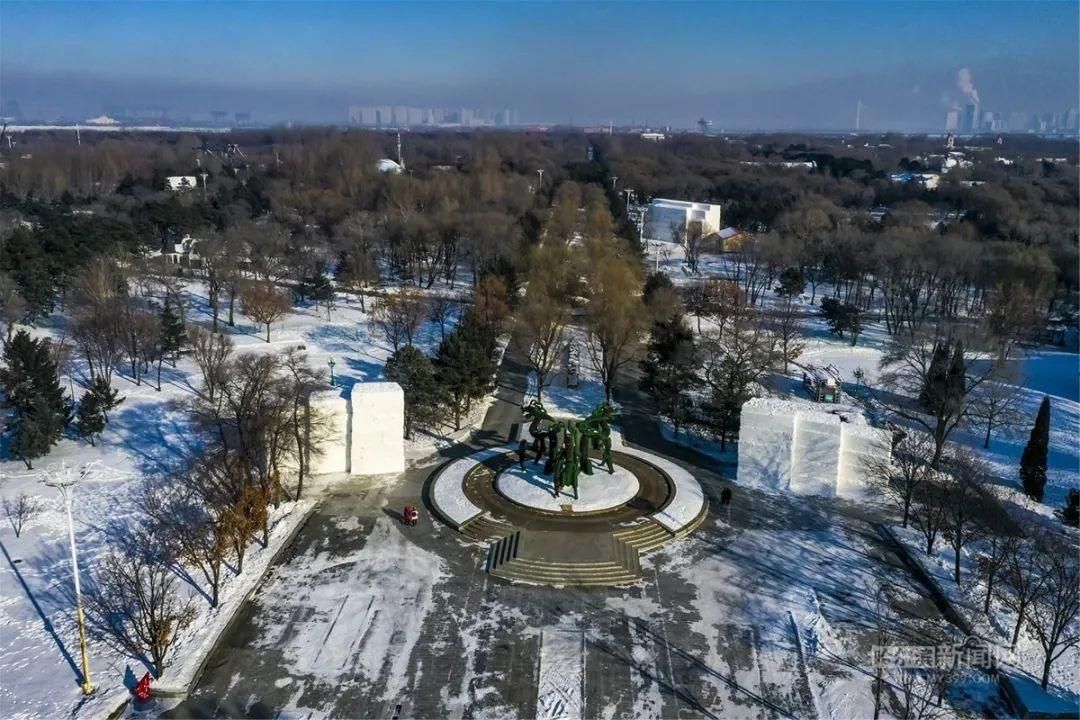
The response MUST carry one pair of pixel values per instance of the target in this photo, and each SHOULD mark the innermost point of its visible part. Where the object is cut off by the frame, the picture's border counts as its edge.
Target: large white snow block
(766, 437)
(378, 426)
(788, 445)
(332, 407)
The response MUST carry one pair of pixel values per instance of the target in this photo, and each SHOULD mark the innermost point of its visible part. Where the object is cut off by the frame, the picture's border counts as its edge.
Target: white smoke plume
(965, 85)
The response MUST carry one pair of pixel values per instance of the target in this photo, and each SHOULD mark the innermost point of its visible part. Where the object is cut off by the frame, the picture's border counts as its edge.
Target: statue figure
(568, 459)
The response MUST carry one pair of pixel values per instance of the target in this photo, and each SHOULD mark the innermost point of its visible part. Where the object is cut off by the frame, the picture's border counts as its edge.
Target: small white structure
(376, 439)
(791, 446)
(386, 165)
(665, 216)
(179, 183)
(333, 406)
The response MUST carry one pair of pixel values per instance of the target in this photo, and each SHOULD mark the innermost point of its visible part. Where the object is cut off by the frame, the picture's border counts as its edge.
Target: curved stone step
(486, 529)
(645, 536)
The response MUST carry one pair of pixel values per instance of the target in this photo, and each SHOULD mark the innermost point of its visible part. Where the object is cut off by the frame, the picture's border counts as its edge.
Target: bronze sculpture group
(567, 443)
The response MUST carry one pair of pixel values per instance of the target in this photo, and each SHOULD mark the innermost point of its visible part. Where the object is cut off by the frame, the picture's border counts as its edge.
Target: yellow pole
(87, 688)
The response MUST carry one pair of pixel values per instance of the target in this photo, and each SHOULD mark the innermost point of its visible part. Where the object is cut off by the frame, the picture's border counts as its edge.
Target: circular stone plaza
(593, 539)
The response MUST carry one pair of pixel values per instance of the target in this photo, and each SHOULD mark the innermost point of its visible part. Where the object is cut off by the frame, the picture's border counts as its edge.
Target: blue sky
(761, 63)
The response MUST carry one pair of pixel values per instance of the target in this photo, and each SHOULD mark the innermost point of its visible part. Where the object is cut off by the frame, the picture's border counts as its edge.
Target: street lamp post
(331, 363)
(540, 186)
(63, 480)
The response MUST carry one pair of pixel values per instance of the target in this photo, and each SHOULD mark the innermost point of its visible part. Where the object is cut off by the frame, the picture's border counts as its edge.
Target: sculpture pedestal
(599, 491)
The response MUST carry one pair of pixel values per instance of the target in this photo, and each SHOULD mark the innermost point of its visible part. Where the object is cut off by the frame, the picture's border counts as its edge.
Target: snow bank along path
(687, 500)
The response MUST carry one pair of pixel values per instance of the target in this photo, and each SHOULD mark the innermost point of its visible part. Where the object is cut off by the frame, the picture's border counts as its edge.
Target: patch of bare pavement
(767, 611)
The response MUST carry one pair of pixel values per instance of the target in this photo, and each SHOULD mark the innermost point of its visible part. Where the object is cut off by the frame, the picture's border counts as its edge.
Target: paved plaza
(766, 610)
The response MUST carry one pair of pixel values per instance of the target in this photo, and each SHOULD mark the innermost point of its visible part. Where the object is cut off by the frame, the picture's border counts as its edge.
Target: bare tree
(963, 501)
(995, 405)
(211, 353)
(1000, 547)
(910, 370)
(138, 607)
(185, 520)
(441, 311)
(903, 474)
(732, 366)
(1023, 580)
(786, 325)
(692, 239)
(929, 512)
(264, 303)
(541, 324)
(1053, 614)
(23, 508)
(398, 316)
(615, 320)
(310, 427)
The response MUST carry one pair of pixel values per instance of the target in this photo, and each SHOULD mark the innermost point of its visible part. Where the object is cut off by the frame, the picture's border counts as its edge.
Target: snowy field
(146, 435)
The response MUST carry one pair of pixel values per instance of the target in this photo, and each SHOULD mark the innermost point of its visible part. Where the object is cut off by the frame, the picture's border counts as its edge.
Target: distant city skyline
(741, 65)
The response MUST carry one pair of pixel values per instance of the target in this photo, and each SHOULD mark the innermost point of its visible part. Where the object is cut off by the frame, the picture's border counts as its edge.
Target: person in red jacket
(410, 515)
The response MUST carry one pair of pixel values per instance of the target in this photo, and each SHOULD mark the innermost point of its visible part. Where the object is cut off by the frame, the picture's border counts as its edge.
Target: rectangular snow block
(766, 434)
(376, 441)
(815, 453)
(333, 408)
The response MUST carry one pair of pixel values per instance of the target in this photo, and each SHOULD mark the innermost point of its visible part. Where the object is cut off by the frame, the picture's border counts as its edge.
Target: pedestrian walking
(725, 497)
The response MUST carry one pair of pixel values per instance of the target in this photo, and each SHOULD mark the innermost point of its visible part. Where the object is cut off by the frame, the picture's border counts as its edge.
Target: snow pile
(377, 441)
(791, 446)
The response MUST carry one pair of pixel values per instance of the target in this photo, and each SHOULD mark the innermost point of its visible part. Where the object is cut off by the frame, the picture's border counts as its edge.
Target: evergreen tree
(1033, 460)
(792, 282)
(936, 381)
(413, 371)
(463, 367)
(90, 418)
(669, 369)
(32, 386)
(36, 431)
(106, 397)
(173, 334)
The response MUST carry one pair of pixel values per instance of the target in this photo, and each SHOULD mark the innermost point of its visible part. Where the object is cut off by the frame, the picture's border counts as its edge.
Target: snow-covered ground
(146, 435)
(968, 599)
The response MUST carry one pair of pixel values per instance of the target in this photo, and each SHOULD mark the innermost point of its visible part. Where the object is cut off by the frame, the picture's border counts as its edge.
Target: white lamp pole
(63, 480)
(540, 187)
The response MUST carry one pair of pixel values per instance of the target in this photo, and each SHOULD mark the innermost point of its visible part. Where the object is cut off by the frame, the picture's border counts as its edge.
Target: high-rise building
(952, 120)
(969, 120)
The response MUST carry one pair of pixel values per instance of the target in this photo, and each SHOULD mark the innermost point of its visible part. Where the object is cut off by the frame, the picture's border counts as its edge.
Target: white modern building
(665, 217)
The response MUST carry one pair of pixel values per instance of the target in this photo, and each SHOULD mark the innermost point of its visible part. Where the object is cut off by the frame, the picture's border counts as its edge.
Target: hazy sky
(755, 64)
